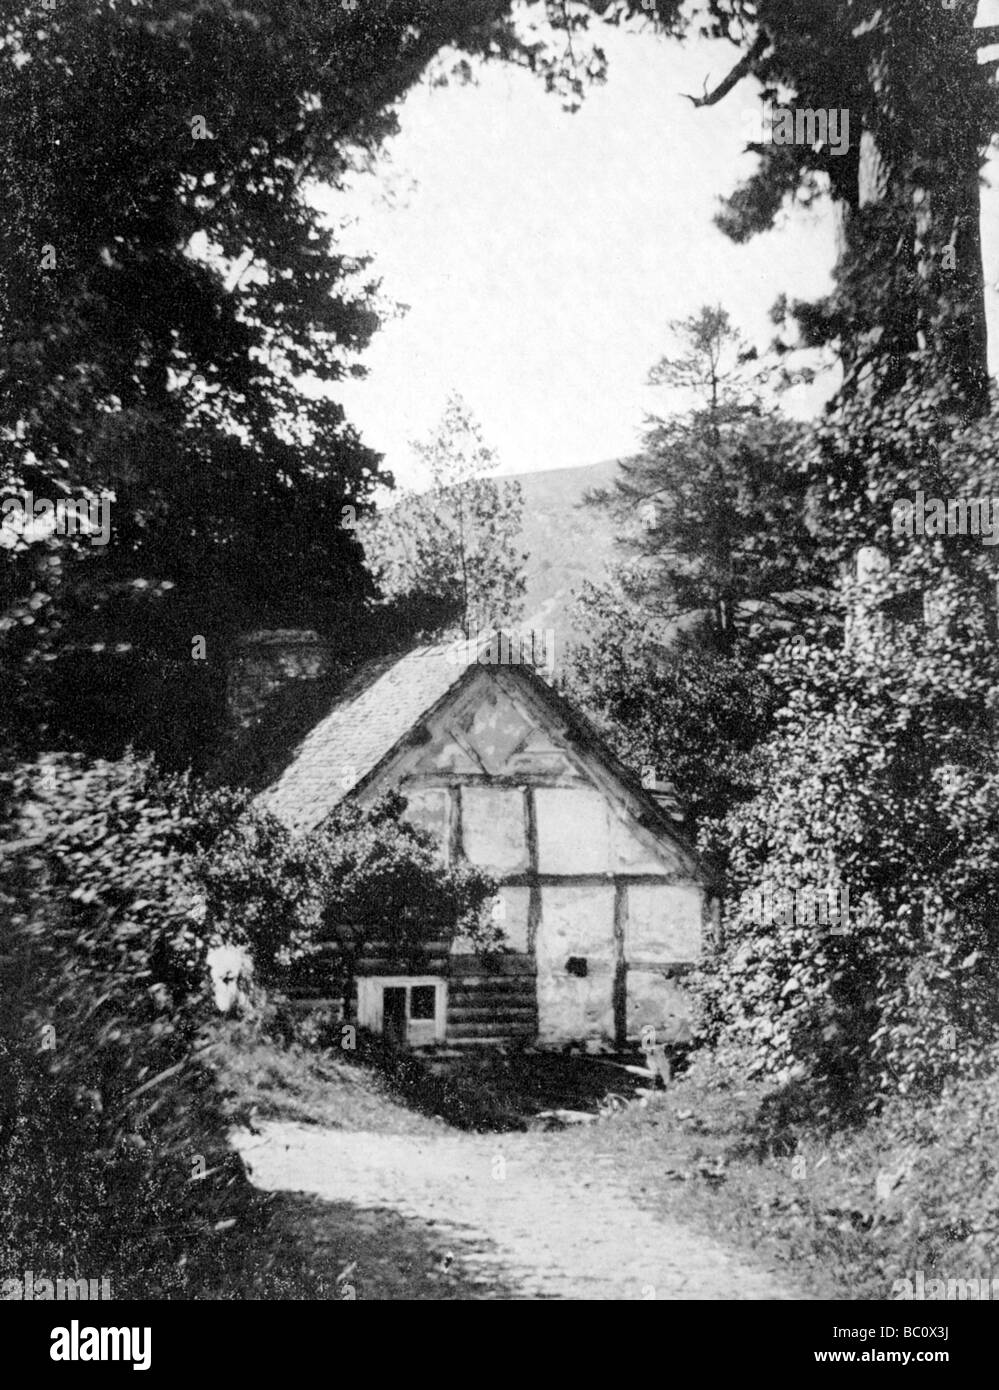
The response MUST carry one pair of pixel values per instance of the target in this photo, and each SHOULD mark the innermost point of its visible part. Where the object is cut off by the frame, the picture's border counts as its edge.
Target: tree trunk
(917, 200)
(949, 254)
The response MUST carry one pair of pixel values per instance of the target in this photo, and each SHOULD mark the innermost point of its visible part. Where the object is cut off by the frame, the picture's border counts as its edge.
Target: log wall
(492, 1000)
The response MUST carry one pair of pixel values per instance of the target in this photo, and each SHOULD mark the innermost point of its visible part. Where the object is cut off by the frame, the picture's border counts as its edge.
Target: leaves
(711, 513)
(881, 779)
(458, 540)
(96, 947)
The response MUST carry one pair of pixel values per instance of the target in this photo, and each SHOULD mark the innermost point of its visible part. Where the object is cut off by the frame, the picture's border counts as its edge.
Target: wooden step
(399, 966)
(377, 969)
(441, 948)
(491, 1008)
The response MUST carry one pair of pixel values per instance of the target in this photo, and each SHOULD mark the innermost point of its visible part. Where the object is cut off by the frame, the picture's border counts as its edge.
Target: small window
(423, 1002)
(576, 965)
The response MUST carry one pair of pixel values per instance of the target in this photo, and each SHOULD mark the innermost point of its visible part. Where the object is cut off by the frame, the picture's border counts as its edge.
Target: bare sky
(543, 254)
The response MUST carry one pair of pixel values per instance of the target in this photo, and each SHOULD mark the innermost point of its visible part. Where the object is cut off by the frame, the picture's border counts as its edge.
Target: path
(508, 1215)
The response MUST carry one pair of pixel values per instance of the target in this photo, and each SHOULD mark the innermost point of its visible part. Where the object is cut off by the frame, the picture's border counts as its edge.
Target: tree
(457, 540)
(713, 508)
(104, 1087)
(712, 518)
(686, 712)
(154, 354)
(880, 779)
(165, 284)
(906, 190)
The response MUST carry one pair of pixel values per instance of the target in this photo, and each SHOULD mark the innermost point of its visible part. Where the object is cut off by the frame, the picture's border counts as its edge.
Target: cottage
(602, 904)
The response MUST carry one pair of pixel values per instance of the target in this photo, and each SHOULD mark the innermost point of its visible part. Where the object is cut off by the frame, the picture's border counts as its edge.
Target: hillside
(566, 542)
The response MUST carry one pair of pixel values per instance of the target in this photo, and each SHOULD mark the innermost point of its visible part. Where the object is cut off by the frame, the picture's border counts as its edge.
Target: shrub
(946, 1220)
(881, 781)
(384, 874)
(107, 1111)
(362, 874)
(262, 889)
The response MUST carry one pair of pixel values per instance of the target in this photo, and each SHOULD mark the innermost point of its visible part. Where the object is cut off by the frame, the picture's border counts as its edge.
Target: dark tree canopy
(922, 112)
(165, 283)
(165, 280)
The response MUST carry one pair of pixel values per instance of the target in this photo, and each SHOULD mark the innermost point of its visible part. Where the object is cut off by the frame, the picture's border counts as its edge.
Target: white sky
(542, 254)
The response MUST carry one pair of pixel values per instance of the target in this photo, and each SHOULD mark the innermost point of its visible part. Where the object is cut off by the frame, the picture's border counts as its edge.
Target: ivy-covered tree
(909, 277)
(882, 781)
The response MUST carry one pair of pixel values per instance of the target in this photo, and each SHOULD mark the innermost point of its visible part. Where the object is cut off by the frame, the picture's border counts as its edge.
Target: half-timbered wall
(611, 913)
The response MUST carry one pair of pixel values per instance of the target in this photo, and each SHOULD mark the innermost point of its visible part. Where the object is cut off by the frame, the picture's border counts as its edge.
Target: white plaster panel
(576, 921)
(428, 808)
(630, 854)
(493, 829)
(540, 755)
(511, 915)
(447, 755)
(573, 830)
(497, 728)
(663, 923)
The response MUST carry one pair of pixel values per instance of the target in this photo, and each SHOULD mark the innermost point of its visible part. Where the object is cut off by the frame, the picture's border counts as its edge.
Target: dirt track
(486, 1216)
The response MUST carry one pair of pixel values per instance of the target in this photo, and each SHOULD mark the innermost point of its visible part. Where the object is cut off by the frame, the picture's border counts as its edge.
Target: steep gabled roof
(382, 707)
(373, 714)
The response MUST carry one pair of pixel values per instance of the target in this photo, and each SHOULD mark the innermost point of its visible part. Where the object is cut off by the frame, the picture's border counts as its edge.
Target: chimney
(664, 794)
(264, 662)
